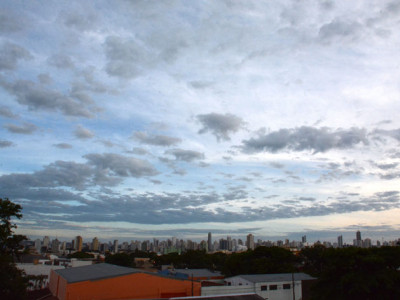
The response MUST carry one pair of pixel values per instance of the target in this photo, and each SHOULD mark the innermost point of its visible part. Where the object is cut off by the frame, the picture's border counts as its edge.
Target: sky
(141, 119)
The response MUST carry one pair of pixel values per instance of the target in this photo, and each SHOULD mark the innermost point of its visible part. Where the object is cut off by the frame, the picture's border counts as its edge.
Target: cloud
(61, 61)
(221, 126)
(126, 58)
(5, 144)
(185, 155)
(63, 146)
(119, 165)
(37, 97)
(339, 30)
(9, 23)
(10, 54)
(7, 113)
(393, 133)
(83, 133)
(305, 138)
(138, 151)
(156, 140)
(26, 128)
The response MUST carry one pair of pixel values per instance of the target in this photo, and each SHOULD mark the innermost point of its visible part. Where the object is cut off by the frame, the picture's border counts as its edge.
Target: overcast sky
(136, 119)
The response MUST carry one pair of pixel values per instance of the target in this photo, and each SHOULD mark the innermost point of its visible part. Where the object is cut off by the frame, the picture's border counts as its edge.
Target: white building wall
(242, 286)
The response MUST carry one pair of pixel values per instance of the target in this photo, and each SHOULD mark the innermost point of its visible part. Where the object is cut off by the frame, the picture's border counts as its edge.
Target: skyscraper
(78, 243)
(95, 244)
(115, 246)
(358, 235)
(250, 241)
(210, 244)
(340, 241)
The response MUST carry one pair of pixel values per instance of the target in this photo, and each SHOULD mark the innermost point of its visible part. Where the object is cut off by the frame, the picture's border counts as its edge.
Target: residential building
(250, 241)
(95, 244)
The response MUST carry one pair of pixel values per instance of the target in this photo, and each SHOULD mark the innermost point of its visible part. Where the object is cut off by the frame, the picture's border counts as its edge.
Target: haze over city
(141, 119)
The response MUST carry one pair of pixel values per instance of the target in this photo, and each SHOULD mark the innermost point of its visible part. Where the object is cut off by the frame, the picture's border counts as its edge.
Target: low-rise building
(285, 286)
(106, 281)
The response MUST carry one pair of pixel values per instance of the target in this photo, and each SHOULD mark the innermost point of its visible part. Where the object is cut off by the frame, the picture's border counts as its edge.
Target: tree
(13, 284)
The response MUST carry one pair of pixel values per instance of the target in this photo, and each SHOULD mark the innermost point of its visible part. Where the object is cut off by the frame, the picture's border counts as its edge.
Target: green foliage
(121, 259)
(354, 273)
(80, 255)
(13, 284)
(262, 260)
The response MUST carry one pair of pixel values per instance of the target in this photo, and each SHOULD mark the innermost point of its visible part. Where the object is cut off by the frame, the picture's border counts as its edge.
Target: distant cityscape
(174, 244)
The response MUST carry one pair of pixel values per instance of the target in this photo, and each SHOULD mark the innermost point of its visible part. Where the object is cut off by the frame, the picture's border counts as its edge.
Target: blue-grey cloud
(306, 138)
(10, 54)
(5, 144)
(156, 140)
(185, 155)
(26, 128)
(220, 125)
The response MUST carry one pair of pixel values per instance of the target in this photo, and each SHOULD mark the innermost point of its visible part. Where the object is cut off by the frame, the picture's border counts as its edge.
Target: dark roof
(224, 297)
(198, 272)
(95, 272)
(275, 277)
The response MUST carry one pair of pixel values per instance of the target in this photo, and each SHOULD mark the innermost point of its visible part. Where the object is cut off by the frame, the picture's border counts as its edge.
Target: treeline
(348, 273)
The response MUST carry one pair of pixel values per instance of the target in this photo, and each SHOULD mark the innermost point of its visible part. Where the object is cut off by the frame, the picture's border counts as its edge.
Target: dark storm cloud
(185, 155)
(7, 113)
(305, 138)
(221, 126)
(26, 128)
(61, 61)
(120, 165)
(63, 146)
(37, 97)
(156, 140)
(10, 54)
(5, 144)
(83, 133)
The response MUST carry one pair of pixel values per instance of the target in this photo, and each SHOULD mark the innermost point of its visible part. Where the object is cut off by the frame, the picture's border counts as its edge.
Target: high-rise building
(46, 241)
(115, 247)
(340, 241)
(304, 239)
(38, 245)
(210, 244)
(55, 246)
(358, 235)
(250, 241)
(95, 244)
(78, 243)
(367, 243)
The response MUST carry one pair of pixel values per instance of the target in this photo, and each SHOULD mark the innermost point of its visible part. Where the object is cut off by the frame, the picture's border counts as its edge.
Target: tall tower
(209, 242)
(115, 246)
(340, 241)
(78, 243)
(358, 239)
(95, 244)
(250, 241)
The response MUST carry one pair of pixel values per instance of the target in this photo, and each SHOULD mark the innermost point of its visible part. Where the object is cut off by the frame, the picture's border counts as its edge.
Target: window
(286, 286)
(273, 287)
(264, 288)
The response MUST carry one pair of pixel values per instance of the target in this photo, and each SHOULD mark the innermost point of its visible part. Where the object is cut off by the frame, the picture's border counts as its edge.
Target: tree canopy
(13, 284)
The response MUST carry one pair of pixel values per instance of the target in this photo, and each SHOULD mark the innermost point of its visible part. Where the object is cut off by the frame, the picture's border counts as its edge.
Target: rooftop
(197, 272)
(95, 272)
(275, 277)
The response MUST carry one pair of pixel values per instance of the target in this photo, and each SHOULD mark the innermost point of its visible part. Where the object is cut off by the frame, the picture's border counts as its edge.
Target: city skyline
(162, 118)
